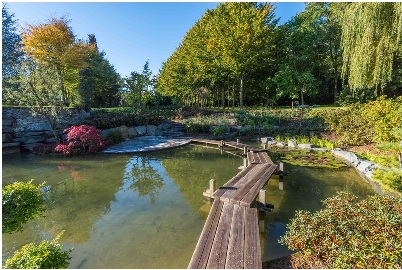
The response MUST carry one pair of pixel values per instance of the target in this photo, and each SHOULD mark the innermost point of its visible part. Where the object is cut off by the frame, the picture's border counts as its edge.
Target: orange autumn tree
(54, 45)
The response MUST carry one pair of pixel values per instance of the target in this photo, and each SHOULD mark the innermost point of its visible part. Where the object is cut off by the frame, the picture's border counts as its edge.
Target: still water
(147, 210)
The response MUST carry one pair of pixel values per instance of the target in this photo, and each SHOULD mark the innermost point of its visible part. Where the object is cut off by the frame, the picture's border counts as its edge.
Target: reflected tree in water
(143, 177)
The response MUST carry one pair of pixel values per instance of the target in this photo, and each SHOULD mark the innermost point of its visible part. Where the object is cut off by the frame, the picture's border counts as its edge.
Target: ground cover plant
(349, 233)
(306, 158)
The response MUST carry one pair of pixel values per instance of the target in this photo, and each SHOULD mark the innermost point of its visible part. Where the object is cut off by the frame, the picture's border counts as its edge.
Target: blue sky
(130, 33)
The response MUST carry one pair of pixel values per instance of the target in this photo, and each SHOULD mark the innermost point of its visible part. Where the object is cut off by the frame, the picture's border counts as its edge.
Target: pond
(147, 210)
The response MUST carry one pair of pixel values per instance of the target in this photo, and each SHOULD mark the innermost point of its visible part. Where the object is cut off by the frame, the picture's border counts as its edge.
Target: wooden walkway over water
(230, 237)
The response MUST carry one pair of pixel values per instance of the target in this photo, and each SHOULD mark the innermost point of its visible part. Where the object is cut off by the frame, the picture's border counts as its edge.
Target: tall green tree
(371, 37)
(11, 47)
(139, 86)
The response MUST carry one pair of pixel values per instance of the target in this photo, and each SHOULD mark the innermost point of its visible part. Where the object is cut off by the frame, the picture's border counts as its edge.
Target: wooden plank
(239, 185)
(234, 257)
(266, 158)
(252, 193)
(204, 244)
(230, 184)
(252, 248)
(217, 256)
(240, 193)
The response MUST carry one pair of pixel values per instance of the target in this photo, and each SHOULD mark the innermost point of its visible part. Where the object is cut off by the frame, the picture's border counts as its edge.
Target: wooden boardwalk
(230, 237)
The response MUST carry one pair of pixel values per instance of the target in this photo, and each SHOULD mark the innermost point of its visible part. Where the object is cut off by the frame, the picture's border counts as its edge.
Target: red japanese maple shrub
(81, 139)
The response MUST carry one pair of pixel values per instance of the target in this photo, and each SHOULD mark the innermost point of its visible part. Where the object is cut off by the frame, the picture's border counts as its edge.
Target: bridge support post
(281, 176)
(261, 196)
(212, 186)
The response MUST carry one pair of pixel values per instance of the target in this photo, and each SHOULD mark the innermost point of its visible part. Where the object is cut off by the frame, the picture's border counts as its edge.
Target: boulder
(8, 121)
(41, 126)
(105, 132)
(153, 130)
(365, 166)
(141, 130)
(292, 143)
(265, 140)
(348, 156)
(35, 139)
(8, 129)
(124, 131)
(305, 146)
(281, 144)
(131, 132)
(7, 138)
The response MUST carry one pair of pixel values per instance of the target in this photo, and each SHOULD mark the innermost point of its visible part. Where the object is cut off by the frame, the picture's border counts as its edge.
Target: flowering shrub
(349, 234)
(82, 139)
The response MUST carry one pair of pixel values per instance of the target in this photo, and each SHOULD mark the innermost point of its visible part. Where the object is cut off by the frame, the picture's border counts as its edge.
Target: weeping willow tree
(371, 36)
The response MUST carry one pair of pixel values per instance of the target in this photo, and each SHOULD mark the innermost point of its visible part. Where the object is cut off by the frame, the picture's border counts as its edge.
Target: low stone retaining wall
(22, 130)
(364, 167)
(20, 127)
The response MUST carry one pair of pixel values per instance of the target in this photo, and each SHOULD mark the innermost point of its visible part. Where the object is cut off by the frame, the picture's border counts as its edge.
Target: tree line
(234, 55)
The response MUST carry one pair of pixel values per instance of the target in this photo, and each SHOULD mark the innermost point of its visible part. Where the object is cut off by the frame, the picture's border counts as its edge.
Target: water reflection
(143, 178)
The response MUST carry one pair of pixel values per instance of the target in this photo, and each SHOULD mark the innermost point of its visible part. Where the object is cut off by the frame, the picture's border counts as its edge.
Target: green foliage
(371, 35)
(109, 118)
(372, 122)
(219, 130)
(45, 255)
(389, 178)
(350, 234)
(114, 136)
(201, 124)
(11, 48)
(40, 90)
(21, 202)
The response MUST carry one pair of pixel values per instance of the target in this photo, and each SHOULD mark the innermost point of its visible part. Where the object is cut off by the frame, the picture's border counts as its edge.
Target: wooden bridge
(230, 237)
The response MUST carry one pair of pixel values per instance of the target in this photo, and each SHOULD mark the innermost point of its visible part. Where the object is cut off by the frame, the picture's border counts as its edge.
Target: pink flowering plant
(81, 139)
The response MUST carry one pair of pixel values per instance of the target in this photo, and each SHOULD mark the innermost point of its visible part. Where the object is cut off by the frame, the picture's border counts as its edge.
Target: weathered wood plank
(230, 184)
(252, 248)
(266, 158)
(217, 256)
(204, 244)
(240, 193)
(253, 191)
(239, 185)
(234, 257)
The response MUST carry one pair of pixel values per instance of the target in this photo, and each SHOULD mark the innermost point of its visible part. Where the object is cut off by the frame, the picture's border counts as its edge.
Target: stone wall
(21, 129)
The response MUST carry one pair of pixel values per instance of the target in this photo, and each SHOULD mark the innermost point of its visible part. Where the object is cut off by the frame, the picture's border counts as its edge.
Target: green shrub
(46, 255)
(219, 130)
(350, 234)
(389, 178)
(372, 122)
(21, 202)
(114, 136)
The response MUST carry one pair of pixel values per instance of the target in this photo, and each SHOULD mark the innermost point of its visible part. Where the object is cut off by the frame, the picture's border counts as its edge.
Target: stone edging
(365, 168)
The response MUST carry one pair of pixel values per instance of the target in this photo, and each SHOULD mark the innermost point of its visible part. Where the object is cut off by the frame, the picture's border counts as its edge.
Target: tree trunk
(233, 97)
(241, 92)
(302, 97)
(223, 98)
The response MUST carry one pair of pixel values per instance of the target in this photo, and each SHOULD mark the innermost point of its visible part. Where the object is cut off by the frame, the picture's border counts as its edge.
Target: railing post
(238, 140)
